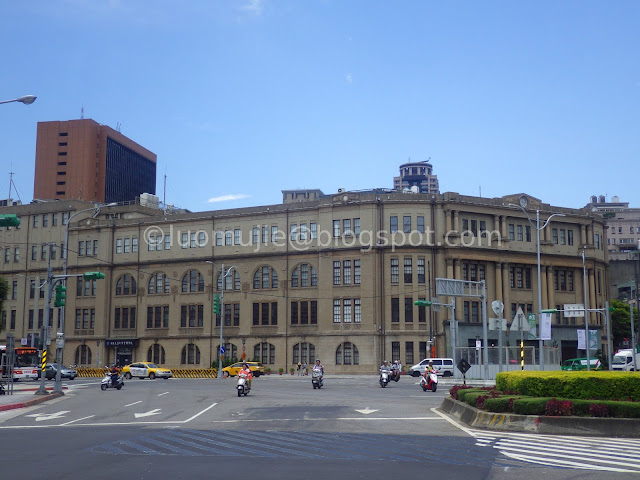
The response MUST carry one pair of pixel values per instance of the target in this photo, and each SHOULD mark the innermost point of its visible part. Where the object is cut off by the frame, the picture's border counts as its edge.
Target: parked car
(65, 372)
(146, 369)
(444, 366)
(232, 370)
(581, 364)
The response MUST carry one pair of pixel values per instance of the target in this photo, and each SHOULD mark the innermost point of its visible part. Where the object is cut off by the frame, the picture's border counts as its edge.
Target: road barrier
(177, 372)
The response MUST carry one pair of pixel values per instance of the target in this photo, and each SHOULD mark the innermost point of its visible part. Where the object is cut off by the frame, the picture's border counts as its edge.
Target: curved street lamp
(224, 277)
(523, 202)
(27, 100)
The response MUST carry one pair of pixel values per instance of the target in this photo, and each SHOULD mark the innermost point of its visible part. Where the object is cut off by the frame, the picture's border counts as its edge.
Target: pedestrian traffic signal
(93, 275)
(216, 304)
(61, 295)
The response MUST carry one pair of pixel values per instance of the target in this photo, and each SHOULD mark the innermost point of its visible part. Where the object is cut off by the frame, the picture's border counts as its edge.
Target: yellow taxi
(232, 370)
(144, 370)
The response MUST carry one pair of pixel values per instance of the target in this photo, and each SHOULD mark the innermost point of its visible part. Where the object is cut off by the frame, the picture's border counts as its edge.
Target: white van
(444, 366)
(623, 360)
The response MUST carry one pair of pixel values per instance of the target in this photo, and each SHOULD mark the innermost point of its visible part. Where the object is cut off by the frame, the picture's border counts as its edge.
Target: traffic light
(216, 304)
(422, 303)
(9, 220)
(93, 275)
(61, 295)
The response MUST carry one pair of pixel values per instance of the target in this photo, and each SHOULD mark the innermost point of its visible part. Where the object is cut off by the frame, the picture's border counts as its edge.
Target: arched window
(347, 354)
(232, 281)
(193, 281)
(158, 284)
(265, 277)
(126, 285)
(304, 275)
(304, 352)
(266, 352)
(156, 354)
(83, 355)
(190, 355)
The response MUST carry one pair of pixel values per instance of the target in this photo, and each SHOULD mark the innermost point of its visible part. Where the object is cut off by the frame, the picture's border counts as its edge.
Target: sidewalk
(24, 395)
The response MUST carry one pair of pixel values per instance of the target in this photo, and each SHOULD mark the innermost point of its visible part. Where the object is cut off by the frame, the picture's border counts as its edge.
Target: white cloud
(349, 78)
(254, 6)
(229, 197)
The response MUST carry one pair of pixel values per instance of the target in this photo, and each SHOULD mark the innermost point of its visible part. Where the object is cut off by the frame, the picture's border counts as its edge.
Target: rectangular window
(527, 233)
(356, 272)
(395, 270)
(255, 235)
(337, 310)
(570, 237)
(167, 242)
(34, 252)
(408, 310)
(336, 228)
(395, 310)
(43, 251)
(406, 224)
(293, 232)
(265, 234)
(420, 221)
(134, 244)
(563, 236)
(395, 351)
(218, 239)
(313, 228)
(304, 313)
(274, 233)
(45, 220)
(357, 311)
(336, 272)
(314, 312)
(54, 219)
(554, 235)
(346, 272)
(512, 231)
(393, 224)
(236, 314)
(35, 221)
(422, 313)
(127, 245)
(303, 231)
(228, 238)
(236, 237)
(346, 310)
(408, 270)
(294, 313)
(421, 275)
(520, 234)
(346, 225)
(256, 314)
(408, 351)
(118, 245)
(356, 226)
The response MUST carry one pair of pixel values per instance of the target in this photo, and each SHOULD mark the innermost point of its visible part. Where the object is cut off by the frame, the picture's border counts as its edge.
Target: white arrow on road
(366, 411)
(155, 411)
(48, 416)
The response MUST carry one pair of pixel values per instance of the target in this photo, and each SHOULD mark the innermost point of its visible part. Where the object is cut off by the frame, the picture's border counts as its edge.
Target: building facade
(335, 277)
(81, 159)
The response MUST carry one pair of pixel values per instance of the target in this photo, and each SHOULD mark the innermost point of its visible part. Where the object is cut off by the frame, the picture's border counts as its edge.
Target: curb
(510, 422)
(29, 403)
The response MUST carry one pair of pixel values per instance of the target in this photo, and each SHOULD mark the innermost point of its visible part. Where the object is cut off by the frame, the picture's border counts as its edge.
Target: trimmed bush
(558, 408)
(502, 404)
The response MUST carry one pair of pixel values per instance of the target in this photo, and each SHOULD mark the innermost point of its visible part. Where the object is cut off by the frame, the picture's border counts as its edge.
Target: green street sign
(93, 275)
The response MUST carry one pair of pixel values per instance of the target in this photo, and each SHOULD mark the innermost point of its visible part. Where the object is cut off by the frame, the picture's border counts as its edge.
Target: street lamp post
(27, 100)
(96, 210)
(523, 204)
(224, 277)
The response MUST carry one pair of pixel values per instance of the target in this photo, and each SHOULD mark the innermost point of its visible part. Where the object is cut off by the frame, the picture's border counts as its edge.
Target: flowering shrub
(480, 401)
(454, 390)
(558, 408)
(598, 410)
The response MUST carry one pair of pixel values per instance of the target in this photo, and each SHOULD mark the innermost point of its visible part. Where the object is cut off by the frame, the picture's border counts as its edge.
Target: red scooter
(431, 383)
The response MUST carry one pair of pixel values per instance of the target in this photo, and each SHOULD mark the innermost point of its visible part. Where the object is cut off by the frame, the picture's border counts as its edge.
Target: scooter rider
(114, 371)
(385, 366)
(247, 371)
(430, 369)
(318, 367)
(396, 369)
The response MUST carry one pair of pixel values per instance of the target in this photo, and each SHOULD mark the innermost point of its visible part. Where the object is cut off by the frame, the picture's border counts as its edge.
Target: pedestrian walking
(304, 368)
(299, 367)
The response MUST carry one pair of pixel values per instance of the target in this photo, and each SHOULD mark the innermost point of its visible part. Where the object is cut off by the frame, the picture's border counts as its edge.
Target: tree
(620, 322)
(4, 291)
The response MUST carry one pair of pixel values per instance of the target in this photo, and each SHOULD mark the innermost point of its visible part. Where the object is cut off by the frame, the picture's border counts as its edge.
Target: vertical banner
(545, 326)
(582, 344)
(532, 321)
(593, 340)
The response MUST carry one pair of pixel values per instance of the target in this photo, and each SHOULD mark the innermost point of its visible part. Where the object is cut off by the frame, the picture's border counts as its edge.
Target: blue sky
(242, 99)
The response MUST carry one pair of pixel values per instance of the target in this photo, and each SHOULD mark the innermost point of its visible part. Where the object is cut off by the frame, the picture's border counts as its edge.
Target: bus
(26, 363)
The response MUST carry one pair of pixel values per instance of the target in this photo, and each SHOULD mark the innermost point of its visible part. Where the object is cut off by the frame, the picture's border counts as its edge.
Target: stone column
(447, 218)
(503, 229)
(592, 294)
(498, 281)
(458, 276)
(456, 221)
(551, 290)
(543, 288)
(583, 235)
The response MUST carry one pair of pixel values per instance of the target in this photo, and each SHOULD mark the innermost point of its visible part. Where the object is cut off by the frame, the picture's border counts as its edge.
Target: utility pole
(42, 390)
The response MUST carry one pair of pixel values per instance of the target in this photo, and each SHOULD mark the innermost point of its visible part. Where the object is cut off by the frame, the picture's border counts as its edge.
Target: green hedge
(621, 386)
(537, 406)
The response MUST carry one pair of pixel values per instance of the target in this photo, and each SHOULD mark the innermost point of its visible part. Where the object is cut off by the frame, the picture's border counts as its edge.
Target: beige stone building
(333, 277)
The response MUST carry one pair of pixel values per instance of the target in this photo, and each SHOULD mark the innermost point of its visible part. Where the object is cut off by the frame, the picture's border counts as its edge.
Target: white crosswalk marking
(587, 453)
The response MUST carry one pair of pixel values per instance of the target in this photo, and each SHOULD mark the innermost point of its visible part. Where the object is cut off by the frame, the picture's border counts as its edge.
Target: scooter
(107, 383)
(385, 375)
(316, 379)
(395, 374)
(243, 385)
(431, 384)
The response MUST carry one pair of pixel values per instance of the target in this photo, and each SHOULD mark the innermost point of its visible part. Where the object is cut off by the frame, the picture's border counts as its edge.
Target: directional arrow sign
(366, 411)
(155, 411)
(48, 416)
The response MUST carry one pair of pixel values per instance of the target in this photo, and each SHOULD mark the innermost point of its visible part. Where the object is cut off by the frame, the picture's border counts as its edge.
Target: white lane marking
(155, 411)
(134, 403)
(48, 416)
(161, 394)
(77, 420)
(325, 419)
(366, 411)
(452, 422)
(200, 413)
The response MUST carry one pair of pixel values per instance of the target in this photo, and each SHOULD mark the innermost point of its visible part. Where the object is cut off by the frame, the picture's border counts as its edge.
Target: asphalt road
(351, 428)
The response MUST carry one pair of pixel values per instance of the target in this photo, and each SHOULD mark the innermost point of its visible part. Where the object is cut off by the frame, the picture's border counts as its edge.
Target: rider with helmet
(114, 371)
(246, 371)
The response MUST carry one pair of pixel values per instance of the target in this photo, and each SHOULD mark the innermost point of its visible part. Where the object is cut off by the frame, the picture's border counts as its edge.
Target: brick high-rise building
(81, 159)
